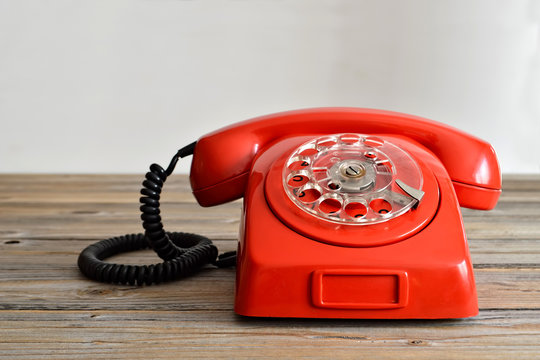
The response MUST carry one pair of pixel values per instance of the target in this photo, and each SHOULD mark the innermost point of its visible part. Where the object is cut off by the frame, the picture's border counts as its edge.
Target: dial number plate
(351, 178)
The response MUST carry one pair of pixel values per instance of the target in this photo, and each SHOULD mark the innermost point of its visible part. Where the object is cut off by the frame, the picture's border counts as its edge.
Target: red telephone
(348, 213)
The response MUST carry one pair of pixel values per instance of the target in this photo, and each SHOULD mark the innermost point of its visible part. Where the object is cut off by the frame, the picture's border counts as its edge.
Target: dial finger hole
(380, 206)
(325, 143)
(330, 206)
(308, 152)
(349, 139)
(373, 141)
(334, 186)
(308, 195)
(298, 163)
(356, 210)
(370, 155)
(297, 179)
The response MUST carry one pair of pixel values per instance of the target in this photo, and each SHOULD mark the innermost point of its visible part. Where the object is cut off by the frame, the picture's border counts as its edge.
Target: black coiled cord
(183, 253)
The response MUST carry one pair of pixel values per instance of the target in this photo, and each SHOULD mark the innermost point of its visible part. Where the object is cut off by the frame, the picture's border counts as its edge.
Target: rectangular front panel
(357, 289)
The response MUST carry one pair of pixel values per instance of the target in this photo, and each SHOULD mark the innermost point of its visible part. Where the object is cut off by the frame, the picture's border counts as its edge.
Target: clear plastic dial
(351, 179)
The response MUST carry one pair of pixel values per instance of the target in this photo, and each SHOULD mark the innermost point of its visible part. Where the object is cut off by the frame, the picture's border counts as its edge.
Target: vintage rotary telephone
(348, 213)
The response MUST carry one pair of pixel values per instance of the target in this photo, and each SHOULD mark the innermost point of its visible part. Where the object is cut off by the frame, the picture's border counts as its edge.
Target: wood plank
(220, 334)
(505, 252)
(56, 287)
(101, 220)
(521, 182)
(31, 188)
(17, 251)
(98, 220)
(61, 285)
(125, 188)
(96, 201)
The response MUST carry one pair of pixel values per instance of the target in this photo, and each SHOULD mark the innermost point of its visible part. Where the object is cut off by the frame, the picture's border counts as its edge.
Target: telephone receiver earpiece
(222, 159)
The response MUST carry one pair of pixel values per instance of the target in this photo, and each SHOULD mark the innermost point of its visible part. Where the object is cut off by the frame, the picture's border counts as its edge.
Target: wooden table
(49, 310)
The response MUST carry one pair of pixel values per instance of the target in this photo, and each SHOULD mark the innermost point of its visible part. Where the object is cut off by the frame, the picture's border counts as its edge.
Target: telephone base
(360, 286)
(357, 293)
(284, 270)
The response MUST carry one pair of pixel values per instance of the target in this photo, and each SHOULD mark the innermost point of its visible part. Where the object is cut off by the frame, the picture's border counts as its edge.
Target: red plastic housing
(414, 266)
(222, 159)
(291, 264)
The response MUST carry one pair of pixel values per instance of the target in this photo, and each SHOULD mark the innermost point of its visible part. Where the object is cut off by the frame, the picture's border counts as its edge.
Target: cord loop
(183, 253)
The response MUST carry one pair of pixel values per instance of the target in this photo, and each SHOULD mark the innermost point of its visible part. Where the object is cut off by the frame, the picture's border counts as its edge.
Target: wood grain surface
(48, 310)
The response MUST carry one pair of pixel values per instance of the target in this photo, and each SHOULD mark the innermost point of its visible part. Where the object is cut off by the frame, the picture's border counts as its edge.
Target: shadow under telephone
(348, 213)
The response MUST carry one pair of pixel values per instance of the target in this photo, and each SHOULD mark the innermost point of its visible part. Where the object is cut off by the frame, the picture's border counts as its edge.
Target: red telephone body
(342, 253)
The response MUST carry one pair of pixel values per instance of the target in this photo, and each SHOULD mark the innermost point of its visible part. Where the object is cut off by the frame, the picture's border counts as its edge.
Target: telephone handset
(348, 213)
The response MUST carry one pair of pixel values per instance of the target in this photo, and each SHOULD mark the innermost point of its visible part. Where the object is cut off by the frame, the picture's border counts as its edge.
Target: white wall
(83, 83)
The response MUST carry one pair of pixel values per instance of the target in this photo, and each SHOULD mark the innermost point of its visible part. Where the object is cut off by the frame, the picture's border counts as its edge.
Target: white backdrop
(114, 85)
